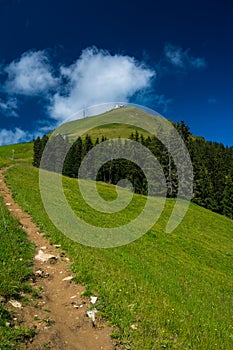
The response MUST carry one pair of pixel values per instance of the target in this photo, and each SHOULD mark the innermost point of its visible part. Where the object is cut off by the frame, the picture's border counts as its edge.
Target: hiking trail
(60, 315)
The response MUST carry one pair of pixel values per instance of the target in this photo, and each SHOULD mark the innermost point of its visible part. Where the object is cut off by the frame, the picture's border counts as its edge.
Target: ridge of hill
(110, 124)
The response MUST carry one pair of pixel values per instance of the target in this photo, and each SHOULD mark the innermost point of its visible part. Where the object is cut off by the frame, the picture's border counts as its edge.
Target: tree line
(212, 165)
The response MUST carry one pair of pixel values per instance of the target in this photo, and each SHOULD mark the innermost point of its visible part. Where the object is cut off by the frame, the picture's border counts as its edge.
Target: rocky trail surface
(59, 316)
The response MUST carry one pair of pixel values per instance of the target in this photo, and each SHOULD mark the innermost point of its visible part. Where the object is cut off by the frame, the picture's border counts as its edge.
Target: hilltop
(104, 123)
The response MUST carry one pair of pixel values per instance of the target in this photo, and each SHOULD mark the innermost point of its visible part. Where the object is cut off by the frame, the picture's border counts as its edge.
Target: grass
(112, 131)
(11, 336)
(15, 269)
(15, 258)
(176, 289)
(112, 127)
(22, 152)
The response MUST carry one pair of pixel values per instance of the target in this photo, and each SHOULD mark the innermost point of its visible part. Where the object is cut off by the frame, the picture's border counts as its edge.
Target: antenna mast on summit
(84, 111)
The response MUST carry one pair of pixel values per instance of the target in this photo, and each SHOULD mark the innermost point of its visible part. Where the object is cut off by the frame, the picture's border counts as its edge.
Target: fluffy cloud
(13, 136)
(97, 77)
(30, 75)
(182, 59)
(9, 107)
(94, 78)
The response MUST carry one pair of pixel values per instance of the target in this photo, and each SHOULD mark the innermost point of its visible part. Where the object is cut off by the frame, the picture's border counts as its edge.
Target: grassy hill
(11, 154)
(16, 255)
(111, 130)
(174, 290)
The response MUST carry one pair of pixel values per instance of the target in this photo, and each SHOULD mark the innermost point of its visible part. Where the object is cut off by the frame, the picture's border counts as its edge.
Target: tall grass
(15, 269)
(15, 257)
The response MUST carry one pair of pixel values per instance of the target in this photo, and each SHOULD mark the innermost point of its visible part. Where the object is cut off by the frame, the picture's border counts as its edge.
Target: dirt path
(60, 316)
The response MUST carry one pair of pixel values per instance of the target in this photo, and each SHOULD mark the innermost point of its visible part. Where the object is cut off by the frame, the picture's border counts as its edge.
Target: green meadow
(162, 291)
(11, 154)
(16, 255)
(114, 126)
(15, 269)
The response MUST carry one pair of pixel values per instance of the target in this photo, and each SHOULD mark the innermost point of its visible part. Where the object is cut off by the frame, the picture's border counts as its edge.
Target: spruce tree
(227, 202)
(37, 146)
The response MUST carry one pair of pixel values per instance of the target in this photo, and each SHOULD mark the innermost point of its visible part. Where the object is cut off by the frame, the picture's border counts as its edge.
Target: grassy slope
(22, 151)
(175, 287)
(81, 127)
(15, 258)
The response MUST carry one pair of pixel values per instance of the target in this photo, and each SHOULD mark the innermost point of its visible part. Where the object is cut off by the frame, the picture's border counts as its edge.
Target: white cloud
(9, 107)
(181, 58)
(30, 75)
(45, 126)
(98, 77)
(17, 135)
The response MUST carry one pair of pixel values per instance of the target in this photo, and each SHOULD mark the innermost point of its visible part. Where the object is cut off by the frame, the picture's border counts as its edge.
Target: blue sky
(173, 56)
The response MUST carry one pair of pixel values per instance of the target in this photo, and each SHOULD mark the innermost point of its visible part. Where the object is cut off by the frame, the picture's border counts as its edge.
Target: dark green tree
(37, 146)
(227, 202)
(73, 159)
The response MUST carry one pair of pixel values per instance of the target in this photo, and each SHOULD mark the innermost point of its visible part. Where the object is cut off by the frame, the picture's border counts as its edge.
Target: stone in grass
(69, 278)
(41, 273)
(91, 314)
(93, 300)
(15, 303)
(133, 327)
(44, 257)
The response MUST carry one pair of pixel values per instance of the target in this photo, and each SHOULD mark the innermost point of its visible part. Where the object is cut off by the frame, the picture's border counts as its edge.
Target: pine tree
(204, 190)
(183, 130)
(37, 152)
(227, 202)
(73, 159)
(54, 157)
